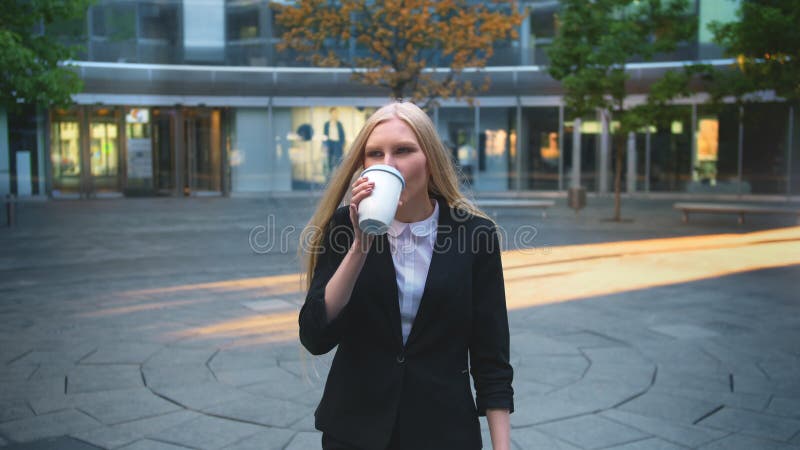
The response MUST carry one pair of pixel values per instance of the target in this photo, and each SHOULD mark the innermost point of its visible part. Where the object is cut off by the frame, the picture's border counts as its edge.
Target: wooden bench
(733, 208)
(522, 203)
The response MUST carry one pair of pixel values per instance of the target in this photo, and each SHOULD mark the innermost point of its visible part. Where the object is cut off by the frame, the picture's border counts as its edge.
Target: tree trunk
(397, 92)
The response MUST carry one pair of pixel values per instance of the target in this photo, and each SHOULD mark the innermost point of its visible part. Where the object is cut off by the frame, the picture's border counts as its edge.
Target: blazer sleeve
(316, 334)
(489, 343)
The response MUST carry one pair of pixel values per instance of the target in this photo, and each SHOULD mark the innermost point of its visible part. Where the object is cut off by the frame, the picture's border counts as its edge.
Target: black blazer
(419, 392)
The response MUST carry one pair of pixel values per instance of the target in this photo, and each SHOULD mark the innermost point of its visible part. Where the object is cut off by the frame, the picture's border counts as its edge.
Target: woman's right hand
(362, 189)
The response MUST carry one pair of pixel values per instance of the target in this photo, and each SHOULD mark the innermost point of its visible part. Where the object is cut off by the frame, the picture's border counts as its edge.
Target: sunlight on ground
(532, 278)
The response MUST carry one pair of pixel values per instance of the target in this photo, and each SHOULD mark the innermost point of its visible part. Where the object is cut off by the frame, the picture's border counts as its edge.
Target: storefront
(116, 150)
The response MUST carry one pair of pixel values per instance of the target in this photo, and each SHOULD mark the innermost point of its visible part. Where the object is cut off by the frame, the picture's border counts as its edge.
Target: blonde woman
(413, 312)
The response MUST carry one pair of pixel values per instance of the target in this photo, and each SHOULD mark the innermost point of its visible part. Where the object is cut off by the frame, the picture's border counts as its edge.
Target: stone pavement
(171, 324)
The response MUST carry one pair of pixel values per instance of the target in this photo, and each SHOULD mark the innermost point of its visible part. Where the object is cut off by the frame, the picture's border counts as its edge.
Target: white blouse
(411, 245)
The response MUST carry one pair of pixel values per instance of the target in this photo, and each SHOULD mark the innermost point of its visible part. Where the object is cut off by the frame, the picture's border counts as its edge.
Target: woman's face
(394, 143)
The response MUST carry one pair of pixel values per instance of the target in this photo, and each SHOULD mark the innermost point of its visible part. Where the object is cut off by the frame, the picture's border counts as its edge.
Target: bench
(733, 208)
(502, 203)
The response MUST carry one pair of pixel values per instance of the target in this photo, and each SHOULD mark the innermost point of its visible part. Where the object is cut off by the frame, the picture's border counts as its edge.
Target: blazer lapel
(386, 275)
(444, 251)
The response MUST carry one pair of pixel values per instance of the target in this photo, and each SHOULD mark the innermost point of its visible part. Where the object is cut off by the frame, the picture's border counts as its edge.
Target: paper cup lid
(386, 168)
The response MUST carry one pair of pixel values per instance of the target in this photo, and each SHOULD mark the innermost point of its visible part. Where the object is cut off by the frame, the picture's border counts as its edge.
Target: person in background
(334, 139)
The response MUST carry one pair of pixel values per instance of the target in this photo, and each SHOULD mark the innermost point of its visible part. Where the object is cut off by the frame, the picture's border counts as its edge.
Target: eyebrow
(395, 145)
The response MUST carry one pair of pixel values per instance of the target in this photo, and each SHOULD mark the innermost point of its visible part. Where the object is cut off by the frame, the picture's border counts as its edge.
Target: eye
(403, 149)
(374, 153)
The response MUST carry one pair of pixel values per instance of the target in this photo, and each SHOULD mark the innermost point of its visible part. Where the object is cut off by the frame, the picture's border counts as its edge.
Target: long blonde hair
(443, 180)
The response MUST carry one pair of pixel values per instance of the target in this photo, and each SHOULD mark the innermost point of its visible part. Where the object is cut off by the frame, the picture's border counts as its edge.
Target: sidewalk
(172, 323)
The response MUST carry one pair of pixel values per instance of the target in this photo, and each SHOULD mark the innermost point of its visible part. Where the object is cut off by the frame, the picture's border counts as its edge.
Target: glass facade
(671, 152)
(764, 164)
(541, 150)
(271, 140)
(456, 127)
(65, 151)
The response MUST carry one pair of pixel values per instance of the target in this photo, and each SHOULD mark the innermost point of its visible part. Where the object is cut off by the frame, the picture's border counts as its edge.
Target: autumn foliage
(391, 43)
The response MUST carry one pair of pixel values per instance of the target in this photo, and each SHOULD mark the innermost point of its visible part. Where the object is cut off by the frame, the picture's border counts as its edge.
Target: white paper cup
(376, 212)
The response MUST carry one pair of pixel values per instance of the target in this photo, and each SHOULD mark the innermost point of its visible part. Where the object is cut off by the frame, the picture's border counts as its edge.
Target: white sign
(138, 115)
(140, 158)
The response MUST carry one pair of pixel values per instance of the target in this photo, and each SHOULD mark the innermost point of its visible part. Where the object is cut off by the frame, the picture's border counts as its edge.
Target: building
(190, 97)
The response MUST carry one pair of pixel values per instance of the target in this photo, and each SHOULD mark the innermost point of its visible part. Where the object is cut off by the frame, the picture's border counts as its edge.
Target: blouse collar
(422, 228)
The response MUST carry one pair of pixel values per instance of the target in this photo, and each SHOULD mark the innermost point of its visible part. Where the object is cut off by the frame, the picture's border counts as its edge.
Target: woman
(407, 309)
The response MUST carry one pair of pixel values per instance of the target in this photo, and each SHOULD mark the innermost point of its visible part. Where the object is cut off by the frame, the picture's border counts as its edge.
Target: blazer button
(401, 359)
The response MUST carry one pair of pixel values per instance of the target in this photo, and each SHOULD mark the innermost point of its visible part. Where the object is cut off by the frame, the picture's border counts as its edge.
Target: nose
(388, 160)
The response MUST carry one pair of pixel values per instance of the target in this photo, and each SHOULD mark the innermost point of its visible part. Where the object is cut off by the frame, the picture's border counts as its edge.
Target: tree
(594, 43)
(766, 43)
(30, 55)
(391, 43)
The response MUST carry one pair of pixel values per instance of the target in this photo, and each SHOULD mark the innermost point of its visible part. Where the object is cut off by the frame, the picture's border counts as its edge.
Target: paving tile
(122, 353)
(669, 407)
(138, 405)
(103, 378)
(14, 410)
(107, 437)
(21, 390)
(305, 440)
(535, 344)
(685, 331)
(57, 443)
(149, 444)
(591, 431)
(269, 439)
(177, 356)
(587, 339)
(269, 412)
(242, 377)
(648, 444)
(687, 435)
(552, 370)
(732, 399)
(306, 423)
(270, 306)
(753, 424)
(281, 384)
(165, 376)
(597, 395)
(48, 425)
(532, 439)
(785, 406)
(537, 409)
(207, 432)
(744, 442)
(199, 396)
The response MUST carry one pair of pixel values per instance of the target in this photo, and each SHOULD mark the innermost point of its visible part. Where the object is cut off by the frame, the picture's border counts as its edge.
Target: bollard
(10, 210)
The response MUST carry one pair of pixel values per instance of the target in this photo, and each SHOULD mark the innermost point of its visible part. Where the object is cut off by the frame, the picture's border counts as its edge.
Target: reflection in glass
(139, 149)
(317, 139)
(590, 151)
(496, 138)
(764, 161)
(202, 140)
(65, 151)
(716, 164)
(457, 130)
(671, 152)
(104, 149)
(540, 150)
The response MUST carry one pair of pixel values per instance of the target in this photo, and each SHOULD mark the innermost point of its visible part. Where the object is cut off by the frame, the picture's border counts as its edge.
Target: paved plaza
(171, 323)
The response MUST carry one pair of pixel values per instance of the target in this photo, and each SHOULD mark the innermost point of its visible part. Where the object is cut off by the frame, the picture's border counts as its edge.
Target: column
(5, 160)
(575, 179)
(603, 169)
(631, 159)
